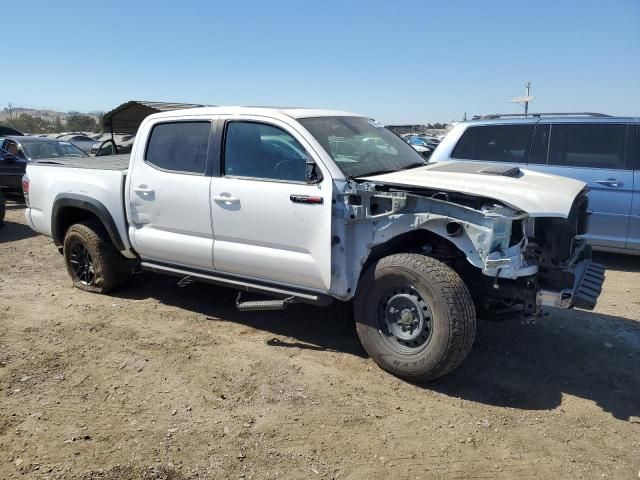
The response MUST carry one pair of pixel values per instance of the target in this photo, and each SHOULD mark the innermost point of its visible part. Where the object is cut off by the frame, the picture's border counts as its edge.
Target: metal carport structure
(126, 118)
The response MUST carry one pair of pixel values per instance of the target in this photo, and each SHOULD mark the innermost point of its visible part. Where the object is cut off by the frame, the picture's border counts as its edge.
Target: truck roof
(270, 111)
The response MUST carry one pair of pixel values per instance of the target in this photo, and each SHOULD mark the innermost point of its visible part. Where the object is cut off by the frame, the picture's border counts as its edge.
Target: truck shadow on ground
(299, 326)
(530, 366)
(12, 232)
(513, 364)
(621, 263)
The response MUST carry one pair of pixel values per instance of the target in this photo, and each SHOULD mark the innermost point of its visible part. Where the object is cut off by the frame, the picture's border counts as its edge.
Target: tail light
(25, 188)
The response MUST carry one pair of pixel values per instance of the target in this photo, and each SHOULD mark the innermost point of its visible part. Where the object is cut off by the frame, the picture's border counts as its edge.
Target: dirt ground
(161, 382)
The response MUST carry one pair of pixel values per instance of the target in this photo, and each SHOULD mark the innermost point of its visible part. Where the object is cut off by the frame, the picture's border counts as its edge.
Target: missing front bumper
(587, 286)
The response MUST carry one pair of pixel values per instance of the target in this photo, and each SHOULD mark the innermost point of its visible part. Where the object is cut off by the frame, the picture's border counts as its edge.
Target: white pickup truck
(298, 205)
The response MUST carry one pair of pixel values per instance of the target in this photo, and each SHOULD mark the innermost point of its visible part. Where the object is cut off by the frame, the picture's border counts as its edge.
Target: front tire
(92, 261)
(415, 316)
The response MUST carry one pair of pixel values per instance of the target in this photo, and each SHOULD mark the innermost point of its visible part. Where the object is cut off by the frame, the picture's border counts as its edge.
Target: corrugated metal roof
(126, 118)
(166, 106)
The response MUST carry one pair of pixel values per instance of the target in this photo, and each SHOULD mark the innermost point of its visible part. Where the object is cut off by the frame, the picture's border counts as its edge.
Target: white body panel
(538, 194)
(260, 233)
(264, 235)
(168, 212)
(105, 186)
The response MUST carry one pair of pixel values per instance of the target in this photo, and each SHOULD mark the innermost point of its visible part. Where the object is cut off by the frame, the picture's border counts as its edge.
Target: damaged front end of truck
(508, 259)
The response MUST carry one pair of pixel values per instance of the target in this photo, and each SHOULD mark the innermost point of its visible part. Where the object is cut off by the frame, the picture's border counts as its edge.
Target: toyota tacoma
(315, 206)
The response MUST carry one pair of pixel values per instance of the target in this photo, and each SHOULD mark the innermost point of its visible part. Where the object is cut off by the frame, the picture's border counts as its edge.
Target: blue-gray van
(601, 150)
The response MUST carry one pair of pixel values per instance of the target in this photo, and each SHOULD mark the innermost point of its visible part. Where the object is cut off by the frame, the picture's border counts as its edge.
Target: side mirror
(10, 158)
(313, 173)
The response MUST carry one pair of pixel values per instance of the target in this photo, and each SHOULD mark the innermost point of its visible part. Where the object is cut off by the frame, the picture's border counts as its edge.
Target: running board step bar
(290, 296)
(275, 304)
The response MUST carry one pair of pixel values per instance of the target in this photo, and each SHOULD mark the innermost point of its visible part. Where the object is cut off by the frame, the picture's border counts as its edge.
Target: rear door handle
(228, 199)
(142, 189)
(610, 182)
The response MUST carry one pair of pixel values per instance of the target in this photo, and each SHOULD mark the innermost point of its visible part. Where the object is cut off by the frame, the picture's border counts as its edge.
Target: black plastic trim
(82, 202)
(233, 281)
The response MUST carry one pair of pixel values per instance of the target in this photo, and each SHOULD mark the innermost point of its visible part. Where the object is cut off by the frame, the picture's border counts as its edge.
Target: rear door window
(588, 145)
(495, 143)
(179, 146)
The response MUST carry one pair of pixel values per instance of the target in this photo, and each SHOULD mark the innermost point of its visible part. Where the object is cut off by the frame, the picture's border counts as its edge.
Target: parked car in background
(601, 150)
(122, 141)
(17, 151)
(6, 131)
(83, 142)
(424, 141)
(420, 146)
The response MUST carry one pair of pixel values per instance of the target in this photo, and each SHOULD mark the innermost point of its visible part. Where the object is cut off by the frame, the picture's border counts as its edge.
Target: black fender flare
(82, 202)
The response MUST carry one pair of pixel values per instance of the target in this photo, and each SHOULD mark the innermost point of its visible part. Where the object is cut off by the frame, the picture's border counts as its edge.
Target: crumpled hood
(538, 194)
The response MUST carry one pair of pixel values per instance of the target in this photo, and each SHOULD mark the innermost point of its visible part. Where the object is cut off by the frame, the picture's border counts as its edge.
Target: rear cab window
(495, 143)
(179, 147)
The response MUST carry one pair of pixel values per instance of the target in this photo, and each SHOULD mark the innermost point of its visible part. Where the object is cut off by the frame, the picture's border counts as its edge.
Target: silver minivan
(601, 150)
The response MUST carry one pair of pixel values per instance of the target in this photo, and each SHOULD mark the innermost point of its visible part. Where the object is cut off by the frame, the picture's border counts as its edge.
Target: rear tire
(93, 263)
(415, 316)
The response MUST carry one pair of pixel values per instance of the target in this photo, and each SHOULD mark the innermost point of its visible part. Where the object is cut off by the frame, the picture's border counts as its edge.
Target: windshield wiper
(414, 165)
(375, 172)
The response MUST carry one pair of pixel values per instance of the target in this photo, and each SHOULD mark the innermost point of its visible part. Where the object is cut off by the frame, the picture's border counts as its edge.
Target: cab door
(271, 220)
(168, 193)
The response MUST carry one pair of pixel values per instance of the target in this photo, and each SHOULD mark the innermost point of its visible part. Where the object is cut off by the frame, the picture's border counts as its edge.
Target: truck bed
(98, 181)
(109, 162)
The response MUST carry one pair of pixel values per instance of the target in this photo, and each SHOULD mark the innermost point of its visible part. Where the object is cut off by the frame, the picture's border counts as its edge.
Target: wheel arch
(405, 242)
(414, 240)
(458, 252)
(69, 208)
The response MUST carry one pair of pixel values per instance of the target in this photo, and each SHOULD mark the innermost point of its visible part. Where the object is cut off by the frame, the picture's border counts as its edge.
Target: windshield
(38, 150)
(360, 146)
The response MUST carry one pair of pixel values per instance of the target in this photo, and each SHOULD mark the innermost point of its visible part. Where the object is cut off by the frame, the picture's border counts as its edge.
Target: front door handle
(226, 199)
(310, 199)
(610, 182)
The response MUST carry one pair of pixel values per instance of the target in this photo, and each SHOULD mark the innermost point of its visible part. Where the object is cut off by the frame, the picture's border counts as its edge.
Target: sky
(398, 62)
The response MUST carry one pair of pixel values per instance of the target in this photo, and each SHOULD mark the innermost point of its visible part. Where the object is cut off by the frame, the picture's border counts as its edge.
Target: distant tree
(77, 122)
(57, 125)
(100, 126)
(29, 124)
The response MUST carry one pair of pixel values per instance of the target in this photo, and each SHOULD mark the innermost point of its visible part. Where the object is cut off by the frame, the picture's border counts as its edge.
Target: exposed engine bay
(506, 257)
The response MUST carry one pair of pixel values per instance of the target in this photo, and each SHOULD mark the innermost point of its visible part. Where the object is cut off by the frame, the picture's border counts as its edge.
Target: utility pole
(10, 114)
